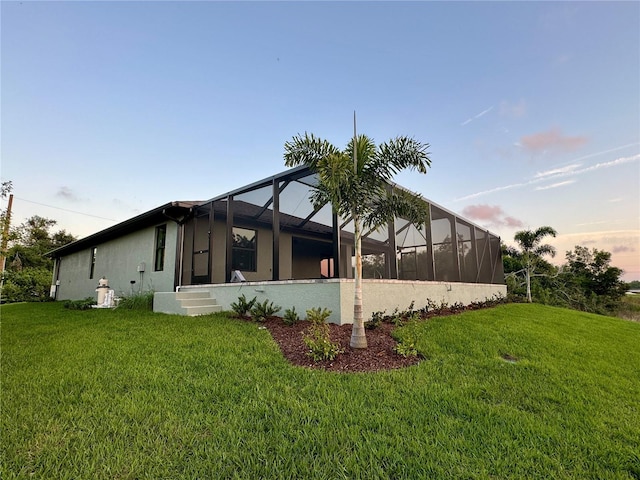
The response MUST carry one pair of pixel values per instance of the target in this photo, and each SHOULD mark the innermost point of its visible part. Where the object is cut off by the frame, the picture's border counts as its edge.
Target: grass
(629, 308)
(129, 394)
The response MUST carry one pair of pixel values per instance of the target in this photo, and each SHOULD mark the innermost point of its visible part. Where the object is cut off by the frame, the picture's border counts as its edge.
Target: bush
(376, 319)
(261, 311)
(317, 337)
(242, 307)
(137, 301)
(84, 304)
(27, 285)
(290, 316)
(407, 339)
(317, 315)
(397, 318)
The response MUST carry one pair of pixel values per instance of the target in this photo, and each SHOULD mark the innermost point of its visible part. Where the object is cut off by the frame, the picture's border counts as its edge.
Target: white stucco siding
(337, 295)
(74, 276)
(387, 295)
(118, 261)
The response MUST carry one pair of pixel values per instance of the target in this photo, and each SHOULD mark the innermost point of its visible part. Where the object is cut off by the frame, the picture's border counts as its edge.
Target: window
(244, 249)
(161, 237)
(94, 253)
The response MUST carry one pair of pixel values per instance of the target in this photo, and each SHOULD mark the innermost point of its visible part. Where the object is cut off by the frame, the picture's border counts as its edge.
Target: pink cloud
(492, 215)
(552, 140)
(513, 222)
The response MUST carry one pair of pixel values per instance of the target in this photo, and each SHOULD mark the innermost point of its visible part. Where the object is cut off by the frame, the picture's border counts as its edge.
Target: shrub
(28, 285)
(407, 339)
(317, 337)
(84, 304)
(137, 301)
(376, 319)
(397, 318)
(290, 316)
(242, 307)
(318, 315)
(261, 311)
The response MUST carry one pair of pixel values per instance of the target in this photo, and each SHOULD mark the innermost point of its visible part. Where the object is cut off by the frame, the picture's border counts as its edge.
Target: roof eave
(127, 226)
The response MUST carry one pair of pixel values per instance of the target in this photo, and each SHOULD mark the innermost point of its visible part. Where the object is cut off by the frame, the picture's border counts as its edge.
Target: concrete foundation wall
(301, 294)
(387, 295)
(337, 295)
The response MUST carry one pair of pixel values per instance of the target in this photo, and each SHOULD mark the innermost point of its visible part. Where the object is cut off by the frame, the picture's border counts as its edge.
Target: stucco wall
(118, 261)
(337, 295)
(387, 295)
(300, 294)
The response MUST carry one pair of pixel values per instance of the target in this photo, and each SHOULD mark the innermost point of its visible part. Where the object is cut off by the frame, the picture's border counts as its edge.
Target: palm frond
(545, 250)
(403, 153)
(397, 203)
(307, 150)
(366, 149)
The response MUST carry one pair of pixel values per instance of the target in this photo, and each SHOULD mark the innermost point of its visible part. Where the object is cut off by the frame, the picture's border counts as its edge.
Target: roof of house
(180, 211)
(177, 211)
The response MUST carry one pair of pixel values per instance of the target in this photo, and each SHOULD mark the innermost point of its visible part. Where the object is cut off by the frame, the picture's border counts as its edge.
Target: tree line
(585, 281)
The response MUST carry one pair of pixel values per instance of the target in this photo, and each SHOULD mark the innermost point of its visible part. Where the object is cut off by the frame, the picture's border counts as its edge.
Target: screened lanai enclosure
(270, 231)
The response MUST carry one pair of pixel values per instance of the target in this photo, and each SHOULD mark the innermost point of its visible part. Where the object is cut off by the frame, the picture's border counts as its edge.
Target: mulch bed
(379, 354)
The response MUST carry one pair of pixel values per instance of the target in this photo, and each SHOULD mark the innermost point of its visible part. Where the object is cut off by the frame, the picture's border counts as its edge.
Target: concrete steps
(197, 303)
(190, 303)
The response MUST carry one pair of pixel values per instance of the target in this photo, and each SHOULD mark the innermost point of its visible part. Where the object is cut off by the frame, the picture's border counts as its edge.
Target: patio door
(201, 263)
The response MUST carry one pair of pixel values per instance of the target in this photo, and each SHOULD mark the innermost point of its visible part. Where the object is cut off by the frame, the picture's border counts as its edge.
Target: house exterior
(285, 250)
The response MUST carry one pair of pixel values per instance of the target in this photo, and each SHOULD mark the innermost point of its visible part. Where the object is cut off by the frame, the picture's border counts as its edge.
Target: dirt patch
(509, 358)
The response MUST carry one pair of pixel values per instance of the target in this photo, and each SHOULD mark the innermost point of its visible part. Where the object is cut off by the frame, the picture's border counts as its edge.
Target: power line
(65, 209)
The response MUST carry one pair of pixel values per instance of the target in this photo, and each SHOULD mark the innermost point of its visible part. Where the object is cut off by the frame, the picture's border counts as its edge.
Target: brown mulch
(379, 354)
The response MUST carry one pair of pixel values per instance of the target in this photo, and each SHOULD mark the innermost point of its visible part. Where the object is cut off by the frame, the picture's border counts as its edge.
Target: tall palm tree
(356, 183)
(532, 249)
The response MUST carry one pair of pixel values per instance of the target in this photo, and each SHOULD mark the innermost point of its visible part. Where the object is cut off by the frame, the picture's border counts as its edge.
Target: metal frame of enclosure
(272, 229)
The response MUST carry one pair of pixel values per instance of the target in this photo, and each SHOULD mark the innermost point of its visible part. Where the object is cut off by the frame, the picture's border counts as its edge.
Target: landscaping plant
(290, 316)
(260, 312)
(243, 306)
(317, 337)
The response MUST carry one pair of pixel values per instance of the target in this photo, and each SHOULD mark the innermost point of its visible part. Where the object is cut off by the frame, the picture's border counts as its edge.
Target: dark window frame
(159, 249)
(92, 268)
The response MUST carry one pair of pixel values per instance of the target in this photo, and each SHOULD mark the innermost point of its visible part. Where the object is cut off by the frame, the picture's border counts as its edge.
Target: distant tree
(28, 271)
(530, 252)
(354, 182)
(590, 282)
(633, 285)
(373, 266)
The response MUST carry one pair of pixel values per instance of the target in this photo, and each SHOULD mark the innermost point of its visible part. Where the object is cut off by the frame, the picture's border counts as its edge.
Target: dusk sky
(531, 109)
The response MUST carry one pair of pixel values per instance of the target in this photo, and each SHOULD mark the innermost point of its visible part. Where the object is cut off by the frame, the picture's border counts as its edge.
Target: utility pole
(5, 238)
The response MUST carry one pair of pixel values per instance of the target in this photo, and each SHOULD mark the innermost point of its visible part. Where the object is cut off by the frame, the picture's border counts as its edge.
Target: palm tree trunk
(358, 337)
(528, 273)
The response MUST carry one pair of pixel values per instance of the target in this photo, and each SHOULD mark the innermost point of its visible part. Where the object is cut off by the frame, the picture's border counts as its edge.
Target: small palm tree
(356, 183)
(531, 251)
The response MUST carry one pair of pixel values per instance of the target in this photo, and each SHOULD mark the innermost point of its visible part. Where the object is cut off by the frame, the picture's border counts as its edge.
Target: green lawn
(123, 394)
